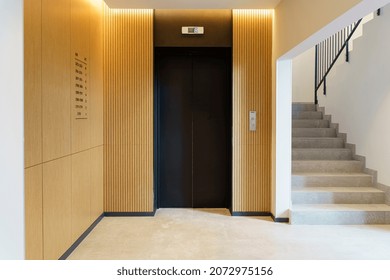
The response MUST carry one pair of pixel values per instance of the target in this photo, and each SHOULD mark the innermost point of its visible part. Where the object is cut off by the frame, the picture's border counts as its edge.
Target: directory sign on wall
(80, 100)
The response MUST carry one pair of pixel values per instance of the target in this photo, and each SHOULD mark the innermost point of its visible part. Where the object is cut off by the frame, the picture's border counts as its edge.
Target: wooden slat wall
(128, 111)
(64, 156)
(252, 91)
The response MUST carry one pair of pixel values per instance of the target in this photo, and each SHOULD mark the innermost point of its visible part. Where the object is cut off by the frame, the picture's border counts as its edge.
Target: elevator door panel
(175, 82)
(210, 150)
(193, 91)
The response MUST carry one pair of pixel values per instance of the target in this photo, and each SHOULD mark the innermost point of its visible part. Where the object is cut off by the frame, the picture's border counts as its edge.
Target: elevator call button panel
(252, 121)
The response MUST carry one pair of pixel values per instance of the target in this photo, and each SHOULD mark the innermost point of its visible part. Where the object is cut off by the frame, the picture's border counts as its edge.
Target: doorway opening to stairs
(193, 127)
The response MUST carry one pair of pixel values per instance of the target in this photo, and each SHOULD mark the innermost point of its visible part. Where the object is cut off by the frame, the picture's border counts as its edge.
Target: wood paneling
(128, 111)
(252, 91)
(80, 14)
(96, 183)
(57, 207)
(96, 74)
(32, 82)
(81, 193)
(56, 78)
(55, 30)
(33, 213)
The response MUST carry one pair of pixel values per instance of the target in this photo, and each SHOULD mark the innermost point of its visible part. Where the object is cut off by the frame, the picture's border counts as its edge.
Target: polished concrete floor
(214, 234)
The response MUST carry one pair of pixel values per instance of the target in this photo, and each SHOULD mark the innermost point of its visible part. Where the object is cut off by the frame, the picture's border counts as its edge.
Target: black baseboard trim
(280, 220)
(129, 214)
(81, 238)
(263, 214)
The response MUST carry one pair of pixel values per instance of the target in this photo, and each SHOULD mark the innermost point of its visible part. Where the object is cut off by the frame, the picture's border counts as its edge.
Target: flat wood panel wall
(96, 183)
(33, 82)
(56, 98)
(80, 17)
(67, 195)
(96, 75)
(33, 212)
(128, 111)
(252, 91)
(81, 193)
(57, 207)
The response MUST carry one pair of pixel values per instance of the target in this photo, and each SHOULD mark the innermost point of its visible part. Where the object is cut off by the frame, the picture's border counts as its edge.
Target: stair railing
(328, 51)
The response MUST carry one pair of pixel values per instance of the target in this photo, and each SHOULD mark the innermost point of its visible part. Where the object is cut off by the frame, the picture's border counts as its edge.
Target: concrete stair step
(302, 106)
(320, 142)
(310, 123)
(307, 115)
(314, 132)
(343, 195)
(339, 214)
(305, 180)
(324, 166)
(321, 154)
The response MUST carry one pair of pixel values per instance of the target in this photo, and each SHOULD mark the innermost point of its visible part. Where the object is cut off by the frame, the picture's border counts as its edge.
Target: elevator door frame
(156, 115)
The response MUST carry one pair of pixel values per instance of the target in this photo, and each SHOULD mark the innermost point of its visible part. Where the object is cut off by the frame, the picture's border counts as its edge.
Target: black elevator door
(194, 92)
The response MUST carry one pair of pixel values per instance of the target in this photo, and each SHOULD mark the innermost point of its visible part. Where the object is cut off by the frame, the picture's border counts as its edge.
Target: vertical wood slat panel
(252, 91)
(128, 110)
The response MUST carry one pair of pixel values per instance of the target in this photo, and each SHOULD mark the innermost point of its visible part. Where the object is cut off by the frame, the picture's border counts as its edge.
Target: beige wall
(63, 155)
(296, 20)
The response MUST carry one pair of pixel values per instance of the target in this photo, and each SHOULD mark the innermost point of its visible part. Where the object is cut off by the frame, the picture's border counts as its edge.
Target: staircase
(328, 185)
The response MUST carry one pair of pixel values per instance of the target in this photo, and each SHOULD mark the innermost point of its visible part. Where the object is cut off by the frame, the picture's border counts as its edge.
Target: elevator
(193, 98)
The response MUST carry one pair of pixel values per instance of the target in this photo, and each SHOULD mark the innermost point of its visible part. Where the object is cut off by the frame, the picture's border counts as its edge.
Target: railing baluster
(316, 76)
(327, 52)
(321, 58)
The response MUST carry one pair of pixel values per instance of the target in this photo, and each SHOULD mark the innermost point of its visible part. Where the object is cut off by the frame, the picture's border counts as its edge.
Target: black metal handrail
(328, 51)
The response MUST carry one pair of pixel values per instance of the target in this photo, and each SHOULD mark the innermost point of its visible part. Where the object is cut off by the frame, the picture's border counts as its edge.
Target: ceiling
(187, 4)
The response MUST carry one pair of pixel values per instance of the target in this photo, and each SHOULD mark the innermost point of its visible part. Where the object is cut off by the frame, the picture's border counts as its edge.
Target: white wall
(303, 76)
(358, 95)
(11, 130)
(304, 64)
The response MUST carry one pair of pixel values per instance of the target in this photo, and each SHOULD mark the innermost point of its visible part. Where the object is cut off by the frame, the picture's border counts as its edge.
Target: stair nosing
(340, 207)
(306, 149)
(337, 190)
(331, 174)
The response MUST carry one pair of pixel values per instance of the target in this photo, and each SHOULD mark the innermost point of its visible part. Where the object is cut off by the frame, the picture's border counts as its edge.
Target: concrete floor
(214, 234)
